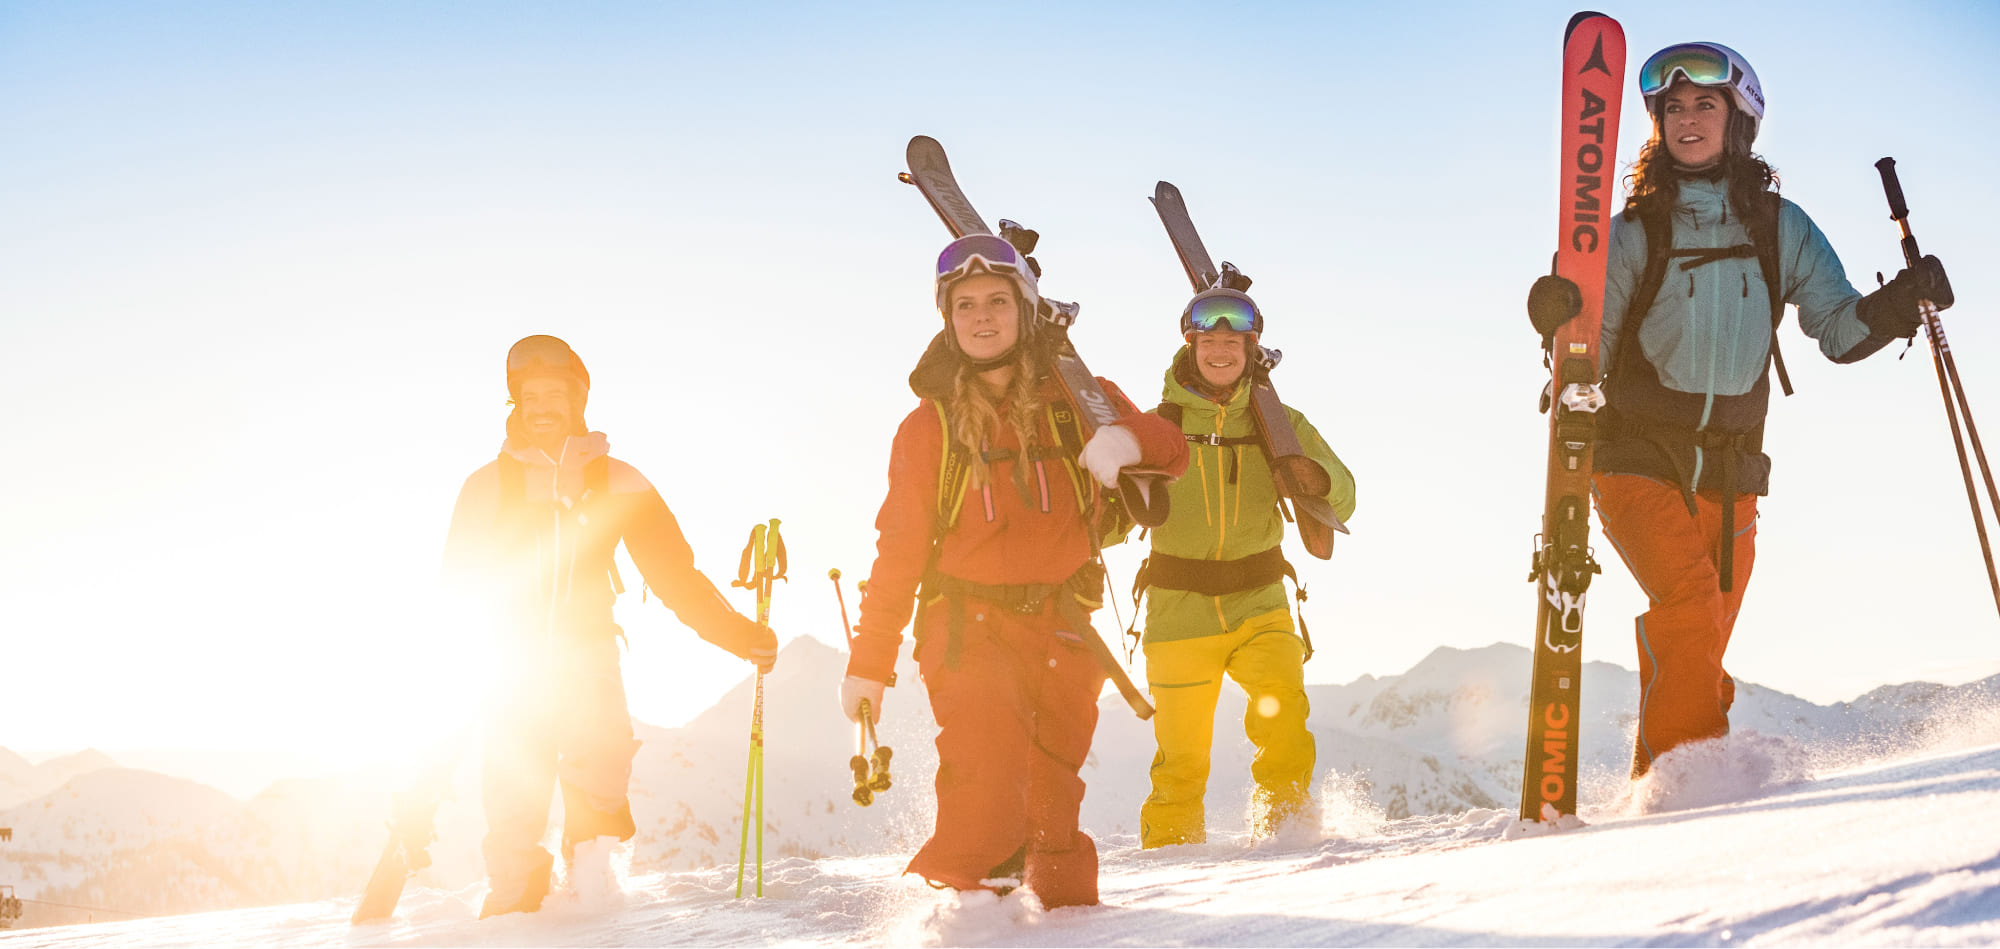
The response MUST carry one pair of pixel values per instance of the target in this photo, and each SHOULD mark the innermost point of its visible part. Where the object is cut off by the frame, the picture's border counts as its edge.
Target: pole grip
(1898, 208)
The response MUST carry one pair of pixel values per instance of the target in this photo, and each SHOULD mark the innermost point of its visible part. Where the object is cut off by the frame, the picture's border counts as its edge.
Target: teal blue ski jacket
(1698, 378)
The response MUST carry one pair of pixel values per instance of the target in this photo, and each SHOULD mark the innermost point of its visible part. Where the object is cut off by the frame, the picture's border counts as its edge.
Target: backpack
(955, 468)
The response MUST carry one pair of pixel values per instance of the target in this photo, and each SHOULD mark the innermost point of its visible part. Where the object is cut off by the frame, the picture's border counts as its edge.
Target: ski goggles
(544, 353)
(1223, 312)
(987, 250)
(1701, 63)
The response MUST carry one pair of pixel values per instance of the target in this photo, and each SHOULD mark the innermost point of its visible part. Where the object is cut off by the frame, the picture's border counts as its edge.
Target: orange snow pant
(1015, 697)
(562, 722)
(1684, 694)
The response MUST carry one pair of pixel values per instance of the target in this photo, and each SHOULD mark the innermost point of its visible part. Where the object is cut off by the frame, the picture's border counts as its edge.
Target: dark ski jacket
(1706, 339)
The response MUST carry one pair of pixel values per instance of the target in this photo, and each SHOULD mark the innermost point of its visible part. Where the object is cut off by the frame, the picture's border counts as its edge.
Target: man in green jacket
(1215, 589)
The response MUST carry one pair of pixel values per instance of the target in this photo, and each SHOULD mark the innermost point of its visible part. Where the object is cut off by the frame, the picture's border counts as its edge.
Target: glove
(853, 690)
(1891, 312)
(1553, 301)
(1110, 450)
(751, 641)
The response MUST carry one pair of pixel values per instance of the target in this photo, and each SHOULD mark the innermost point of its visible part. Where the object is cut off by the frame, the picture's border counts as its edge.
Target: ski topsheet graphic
(1300, 480)
(1592, 84)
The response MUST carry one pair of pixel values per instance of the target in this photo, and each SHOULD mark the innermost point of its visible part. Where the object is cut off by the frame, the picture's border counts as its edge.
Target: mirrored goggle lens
(1223, 312)
(992, 250)
(540, 350)
(1702, 65)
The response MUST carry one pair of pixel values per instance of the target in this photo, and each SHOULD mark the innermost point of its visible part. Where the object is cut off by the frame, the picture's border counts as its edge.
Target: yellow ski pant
(1267, 659)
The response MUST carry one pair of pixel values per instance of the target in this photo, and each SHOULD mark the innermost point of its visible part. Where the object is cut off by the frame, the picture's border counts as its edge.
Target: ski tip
(1164, 189)
(1577, 21)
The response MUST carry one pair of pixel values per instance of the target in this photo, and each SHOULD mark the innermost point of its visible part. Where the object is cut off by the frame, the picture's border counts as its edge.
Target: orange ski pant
(1015, 696)
(1684, 693)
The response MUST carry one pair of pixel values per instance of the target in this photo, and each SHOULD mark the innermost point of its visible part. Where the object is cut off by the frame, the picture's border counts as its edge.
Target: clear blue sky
(259, 266)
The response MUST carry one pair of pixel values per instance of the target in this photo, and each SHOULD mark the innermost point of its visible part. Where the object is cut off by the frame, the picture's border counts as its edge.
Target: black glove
(1891, 312)
(1553, 301)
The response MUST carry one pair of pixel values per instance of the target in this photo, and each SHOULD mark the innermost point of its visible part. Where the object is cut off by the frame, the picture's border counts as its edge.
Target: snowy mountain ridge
(1443, 738)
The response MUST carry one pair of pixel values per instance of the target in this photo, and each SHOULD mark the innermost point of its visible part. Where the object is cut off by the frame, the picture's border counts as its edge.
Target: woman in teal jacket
(1702, 262)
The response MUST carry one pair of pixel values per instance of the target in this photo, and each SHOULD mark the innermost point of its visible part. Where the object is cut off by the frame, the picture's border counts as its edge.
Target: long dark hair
(1655, 181)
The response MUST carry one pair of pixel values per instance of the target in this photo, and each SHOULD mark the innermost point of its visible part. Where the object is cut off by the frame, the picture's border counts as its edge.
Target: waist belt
(1213, 577)
(1729, 444)
(1218, 578)
(1073, 598)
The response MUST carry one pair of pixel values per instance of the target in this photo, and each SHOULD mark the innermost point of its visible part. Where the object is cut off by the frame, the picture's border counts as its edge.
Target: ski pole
(1949, 385)
(845, 628)
(763, 561)
(870, 767)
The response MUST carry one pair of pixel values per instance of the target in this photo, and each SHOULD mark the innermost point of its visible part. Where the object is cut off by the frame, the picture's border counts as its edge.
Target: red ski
(1592, 86)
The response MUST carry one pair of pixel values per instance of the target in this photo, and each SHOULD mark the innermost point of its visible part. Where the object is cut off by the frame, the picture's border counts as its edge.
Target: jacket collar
(1187, 397)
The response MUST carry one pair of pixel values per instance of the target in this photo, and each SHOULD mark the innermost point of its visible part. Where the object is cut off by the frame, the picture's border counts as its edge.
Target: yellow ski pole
(763, 561)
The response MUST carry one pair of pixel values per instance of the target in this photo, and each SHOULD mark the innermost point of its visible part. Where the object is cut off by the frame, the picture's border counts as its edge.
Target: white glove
(1111, 449)
(853, 690)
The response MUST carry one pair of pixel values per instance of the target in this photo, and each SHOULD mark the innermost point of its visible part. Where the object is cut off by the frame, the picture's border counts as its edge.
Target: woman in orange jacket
(990, 498)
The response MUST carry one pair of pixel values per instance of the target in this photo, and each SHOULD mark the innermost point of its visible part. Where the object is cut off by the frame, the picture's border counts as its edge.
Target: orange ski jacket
(539, 551)
(1000, 537)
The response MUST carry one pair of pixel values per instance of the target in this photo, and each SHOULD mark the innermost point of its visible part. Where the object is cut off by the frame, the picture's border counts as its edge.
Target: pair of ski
(1300, 480)
(1142, 492)
(1592, 91)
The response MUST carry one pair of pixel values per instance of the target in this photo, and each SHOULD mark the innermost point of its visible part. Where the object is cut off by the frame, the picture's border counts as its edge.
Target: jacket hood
(936, 369)
(1707, 198)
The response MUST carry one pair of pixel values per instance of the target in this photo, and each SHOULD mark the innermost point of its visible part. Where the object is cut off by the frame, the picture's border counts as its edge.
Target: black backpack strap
(1660, 253)
(1764, 234)
(1658, 219)
(1171, 411)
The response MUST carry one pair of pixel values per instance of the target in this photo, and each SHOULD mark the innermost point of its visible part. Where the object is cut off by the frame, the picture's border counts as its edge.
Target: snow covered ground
(1899, 853)
(1806, 817)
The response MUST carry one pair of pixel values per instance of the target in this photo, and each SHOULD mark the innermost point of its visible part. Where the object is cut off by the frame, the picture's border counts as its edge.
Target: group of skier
(997, 507)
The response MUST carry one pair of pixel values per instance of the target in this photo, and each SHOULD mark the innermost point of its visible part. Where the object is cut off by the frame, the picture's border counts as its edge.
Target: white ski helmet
(1704, 64)
(987, 253)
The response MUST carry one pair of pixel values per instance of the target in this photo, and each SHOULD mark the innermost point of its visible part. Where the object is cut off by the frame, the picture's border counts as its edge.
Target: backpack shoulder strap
(1659, 223)
(1069, 435)
(1172, 412)
(1764, 234)
(952, 472)
(513, 484)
